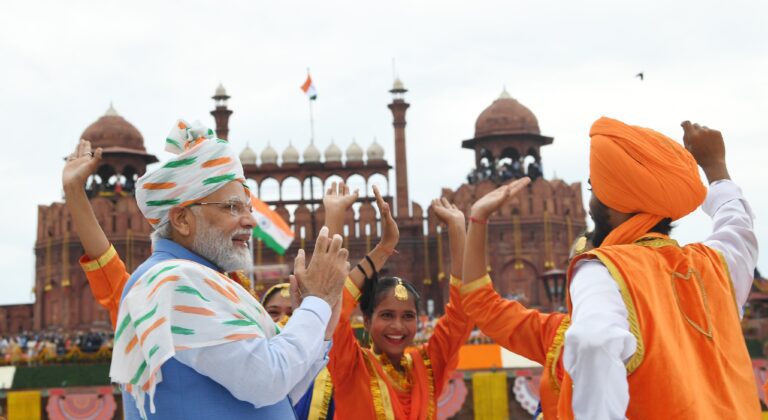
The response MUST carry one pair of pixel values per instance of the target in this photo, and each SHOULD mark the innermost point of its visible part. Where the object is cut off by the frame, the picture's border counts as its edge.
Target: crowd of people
(427, 326)
(652, 328)
(505, 170)
(27, 347)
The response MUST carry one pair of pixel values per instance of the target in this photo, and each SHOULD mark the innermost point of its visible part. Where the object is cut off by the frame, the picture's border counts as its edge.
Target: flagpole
(311, 117)
(311, 124)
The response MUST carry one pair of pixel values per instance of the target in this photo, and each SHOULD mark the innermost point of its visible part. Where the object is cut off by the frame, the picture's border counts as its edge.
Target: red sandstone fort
(531, 235)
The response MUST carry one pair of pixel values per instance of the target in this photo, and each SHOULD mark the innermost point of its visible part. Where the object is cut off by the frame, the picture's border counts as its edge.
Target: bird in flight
(640, 75)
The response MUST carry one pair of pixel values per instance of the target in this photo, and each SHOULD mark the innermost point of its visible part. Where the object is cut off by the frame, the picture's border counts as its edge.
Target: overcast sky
(61, 63)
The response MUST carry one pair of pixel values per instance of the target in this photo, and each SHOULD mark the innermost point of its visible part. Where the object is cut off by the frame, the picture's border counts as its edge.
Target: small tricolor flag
(309, 88)
(270, 227)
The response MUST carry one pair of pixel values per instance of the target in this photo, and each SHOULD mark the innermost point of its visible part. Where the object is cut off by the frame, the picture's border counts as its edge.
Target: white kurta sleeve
(733, 234)
(301, 387)
(264, 371)
(598, 344)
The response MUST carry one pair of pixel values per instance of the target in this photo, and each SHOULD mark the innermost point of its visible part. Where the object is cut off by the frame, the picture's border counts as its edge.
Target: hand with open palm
(489, 203)
(337, 201)
(80, 165)
(448, 213)
(390, 234)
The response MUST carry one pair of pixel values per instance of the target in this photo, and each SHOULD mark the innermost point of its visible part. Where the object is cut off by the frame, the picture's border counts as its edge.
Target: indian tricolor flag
(270, 227)
(309, 88)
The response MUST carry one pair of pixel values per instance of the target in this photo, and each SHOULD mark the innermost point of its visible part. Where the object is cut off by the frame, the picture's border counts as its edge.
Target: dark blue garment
(184, 393)
(538, 412)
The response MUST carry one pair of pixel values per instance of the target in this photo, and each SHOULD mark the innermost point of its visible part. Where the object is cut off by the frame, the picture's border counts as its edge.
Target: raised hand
(492, 201)
(337, 201)
(338, 198)
(708, 148)
(80, 165)
(448, 213)
(324, 277)
(390, 234)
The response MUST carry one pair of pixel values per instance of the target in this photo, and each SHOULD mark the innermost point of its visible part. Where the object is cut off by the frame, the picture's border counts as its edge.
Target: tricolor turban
(637, 170)
(203, 165)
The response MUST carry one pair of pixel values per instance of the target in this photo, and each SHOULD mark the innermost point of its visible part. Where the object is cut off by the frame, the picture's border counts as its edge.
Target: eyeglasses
(235, 208)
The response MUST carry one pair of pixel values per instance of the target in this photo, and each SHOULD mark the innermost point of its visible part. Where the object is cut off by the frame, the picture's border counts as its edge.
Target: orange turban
(637, 170)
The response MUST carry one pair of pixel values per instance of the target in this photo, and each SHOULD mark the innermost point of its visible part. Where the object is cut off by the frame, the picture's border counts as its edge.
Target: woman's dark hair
(374, 289)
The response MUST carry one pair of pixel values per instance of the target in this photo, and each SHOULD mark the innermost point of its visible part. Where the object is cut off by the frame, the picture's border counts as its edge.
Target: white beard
(219, 249)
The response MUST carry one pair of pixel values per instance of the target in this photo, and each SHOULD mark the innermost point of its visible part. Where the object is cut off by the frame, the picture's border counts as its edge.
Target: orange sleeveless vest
(691, 359)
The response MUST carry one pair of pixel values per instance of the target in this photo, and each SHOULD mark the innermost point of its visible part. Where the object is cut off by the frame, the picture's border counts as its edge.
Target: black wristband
(373, 266)
(360, 267)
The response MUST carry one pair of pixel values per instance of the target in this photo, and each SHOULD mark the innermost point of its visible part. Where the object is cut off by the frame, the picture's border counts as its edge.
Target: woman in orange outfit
(393, 379)
(535, 335)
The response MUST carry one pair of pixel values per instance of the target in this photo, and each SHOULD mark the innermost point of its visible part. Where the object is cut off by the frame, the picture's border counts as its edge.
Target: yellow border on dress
(430, 383)
(730, 281)
(456, 282)
(699, 282)
(382, 403)
(395, 379)
(96, 264)
(476, 284)
(321, 395)
(352, 289)
(634, 324)
(554, 351)
(654, 242)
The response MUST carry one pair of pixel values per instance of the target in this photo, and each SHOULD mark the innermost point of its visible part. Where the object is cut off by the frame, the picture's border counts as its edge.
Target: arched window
(104, 175)
(253, 186)
(114, 181)
(357, 182)
(269, 190)
(486, 159)
(130, 175)
(532, 164)
(313, 188)
(510, 165)
(380, 181)
(328, 181)
(291, 189)
(486, 166)
(94, 182)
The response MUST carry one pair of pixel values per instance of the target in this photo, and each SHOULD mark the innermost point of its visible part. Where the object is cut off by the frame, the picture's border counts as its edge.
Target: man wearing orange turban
(655, 329)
